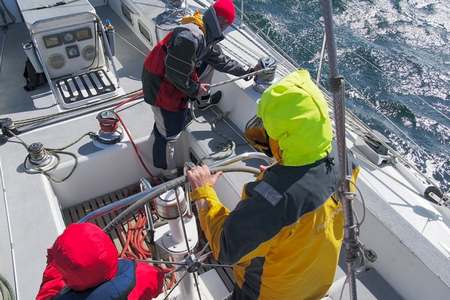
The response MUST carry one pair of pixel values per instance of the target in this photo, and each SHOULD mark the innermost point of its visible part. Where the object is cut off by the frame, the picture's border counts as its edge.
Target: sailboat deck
(42, 210)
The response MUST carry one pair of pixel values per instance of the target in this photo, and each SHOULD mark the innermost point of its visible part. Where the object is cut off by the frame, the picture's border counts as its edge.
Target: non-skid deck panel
(118, 235)
(81, 87)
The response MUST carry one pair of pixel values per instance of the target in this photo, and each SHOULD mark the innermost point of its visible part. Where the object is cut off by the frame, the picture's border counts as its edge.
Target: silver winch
(264, 79)
(39, 159)
(110, 132)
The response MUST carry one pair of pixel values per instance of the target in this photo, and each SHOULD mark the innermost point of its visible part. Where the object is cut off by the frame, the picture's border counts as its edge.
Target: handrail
(164, 187)
(113, 207)
(243, 157)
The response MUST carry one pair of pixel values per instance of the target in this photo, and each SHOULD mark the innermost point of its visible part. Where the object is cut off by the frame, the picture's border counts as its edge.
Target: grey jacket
(189, 47)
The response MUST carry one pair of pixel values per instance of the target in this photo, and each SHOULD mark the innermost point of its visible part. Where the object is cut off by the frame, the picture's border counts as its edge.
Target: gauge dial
(56, 61)
(68, 37)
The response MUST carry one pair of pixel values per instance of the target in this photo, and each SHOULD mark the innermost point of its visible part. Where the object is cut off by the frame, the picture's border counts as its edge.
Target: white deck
(409, 235)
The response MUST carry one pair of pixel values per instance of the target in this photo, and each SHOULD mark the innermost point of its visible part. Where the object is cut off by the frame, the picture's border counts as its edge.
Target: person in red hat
(83, 264)
(180, 68)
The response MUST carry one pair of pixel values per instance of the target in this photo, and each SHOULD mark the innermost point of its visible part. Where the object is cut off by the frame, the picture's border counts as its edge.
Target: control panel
(71, 50)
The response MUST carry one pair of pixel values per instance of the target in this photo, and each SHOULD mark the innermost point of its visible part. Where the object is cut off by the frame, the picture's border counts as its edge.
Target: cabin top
(35, 10)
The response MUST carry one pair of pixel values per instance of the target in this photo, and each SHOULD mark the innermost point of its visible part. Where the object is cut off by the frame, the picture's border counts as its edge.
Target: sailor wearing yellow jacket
(284, 237)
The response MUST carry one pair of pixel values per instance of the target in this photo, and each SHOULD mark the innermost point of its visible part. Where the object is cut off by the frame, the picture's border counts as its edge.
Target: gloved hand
(251, 70)
(199, 176)
(203, 89)
(149, 281)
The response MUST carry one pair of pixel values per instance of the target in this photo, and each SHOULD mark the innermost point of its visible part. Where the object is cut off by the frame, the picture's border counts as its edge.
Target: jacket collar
(213, 32)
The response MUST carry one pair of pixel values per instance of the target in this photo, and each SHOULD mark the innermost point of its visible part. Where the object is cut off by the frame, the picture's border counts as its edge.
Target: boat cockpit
(75, 147)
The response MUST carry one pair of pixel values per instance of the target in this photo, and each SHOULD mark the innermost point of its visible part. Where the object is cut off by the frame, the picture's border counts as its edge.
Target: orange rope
(135, 247)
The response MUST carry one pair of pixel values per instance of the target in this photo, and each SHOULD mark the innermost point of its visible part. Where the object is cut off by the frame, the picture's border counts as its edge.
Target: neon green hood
(295, 113)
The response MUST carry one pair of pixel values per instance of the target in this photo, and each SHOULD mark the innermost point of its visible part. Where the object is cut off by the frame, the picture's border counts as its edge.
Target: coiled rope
(6, 291)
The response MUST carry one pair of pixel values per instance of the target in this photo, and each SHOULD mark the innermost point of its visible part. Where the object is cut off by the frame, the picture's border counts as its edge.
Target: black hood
(213, 32)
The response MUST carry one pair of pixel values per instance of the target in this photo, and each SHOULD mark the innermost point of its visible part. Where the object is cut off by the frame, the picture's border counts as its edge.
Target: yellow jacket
(284, 237)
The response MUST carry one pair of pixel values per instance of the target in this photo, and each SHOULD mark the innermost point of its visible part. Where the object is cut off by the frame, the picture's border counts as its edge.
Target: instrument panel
(71, 50)
(67, 37)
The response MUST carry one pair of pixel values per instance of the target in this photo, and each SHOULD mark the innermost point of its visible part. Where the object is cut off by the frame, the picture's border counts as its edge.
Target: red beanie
(225, 9)
(85, 256)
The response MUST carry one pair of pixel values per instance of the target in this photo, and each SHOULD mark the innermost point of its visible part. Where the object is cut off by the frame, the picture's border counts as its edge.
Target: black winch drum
(268, 76)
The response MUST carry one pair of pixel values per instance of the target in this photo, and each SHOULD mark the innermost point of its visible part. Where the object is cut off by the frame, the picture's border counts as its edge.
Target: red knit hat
(225, 9)
(85, 256)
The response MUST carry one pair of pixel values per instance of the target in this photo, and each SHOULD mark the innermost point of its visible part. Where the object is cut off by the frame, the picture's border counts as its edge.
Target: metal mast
(337, 89)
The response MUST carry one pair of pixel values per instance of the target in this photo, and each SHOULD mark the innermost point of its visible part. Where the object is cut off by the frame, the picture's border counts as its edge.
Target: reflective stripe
(268, 193)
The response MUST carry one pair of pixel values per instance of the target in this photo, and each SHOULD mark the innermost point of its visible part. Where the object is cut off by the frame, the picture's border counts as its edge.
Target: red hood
(85, 256)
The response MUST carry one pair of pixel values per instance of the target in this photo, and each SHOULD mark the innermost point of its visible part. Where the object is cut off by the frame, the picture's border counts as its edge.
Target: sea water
(395, 57)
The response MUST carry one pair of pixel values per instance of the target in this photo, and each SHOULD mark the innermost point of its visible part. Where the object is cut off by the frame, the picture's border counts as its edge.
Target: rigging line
(365, 130)
(281, 69)
(383, 115)
(363, 201)
(83, 110)
(274, 46)
(343, 287)
(361, 57)
(381, 170)
(379, 69)
(389, 120)
(376, 109)
(368, 130)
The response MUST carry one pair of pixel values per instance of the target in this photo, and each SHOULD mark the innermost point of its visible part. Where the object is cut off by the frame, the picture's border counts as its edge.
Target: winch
(39, 159)
(110, 133)
(264, 79)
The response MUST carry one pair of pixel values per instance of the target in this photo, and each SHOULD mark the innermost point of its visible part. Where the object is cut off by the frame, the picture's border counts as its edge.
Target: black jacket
(187, 49)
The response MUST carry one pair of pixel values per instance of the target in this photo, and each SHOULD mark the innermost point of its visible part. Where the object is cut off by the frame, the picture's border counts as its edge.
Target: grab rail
(147, 189)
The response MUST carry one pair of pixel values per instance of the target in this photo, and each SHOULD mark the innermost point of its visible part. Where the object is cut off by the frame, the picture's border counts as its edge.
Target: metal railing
(147, 190)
